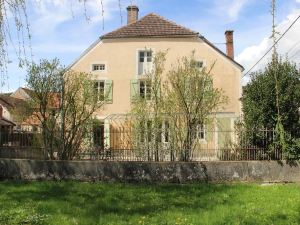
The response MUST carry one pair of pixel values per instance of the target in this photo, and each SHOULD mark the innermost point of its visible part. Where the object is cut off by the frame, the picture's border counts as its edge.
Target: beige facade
(121, 59)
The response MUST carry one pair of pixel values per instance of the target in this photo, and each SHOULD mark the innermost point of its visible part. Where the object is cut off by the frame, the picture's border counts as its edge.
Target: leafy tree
(190, 100)
(148, 109)
(64, 103)
(183, 100)
(259, 99)
(271, 101)
(44, 80)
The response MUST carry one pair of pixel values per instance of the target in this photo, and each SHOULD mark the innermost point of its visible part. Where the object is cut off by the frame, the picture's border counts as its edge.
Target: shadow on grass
(94, 202)
(124, 200)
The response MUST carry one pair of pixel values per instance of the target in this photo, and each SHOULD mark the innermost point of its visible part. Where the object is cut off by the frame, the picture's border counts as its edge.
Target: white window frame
(146, 88)
(98, 89)
(138, 60)
(99, 63)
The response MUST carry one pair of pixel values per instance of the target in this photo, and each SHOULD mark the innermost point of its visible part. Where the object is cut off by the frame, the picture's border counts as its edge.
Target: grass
(99, 203)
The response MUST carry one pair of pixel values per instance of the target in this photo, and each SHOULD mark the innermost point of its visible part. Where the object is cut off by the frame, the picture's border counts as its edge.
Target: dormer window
(98, 67)
(144, 62)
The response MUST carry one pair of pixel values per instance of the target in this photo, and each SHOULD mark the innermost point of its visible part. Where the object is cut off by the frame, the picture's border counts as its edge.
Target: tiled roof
(151, 25)
(10, 102)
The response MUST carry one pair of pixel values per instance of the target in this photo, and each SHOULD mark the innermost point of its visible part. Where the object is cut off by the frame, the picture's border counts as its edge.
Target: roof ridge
(127, 25)
(178, 29)
(174, 23)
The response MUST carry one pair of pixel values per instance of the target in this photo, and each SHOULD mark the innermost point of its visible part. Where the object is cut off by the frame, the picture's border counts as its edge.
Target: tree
(64, 103)
(183, 101)
(190, 100)
(79, 102)
(260, 104)
(44, 80)
(263, 109)
(148, 110)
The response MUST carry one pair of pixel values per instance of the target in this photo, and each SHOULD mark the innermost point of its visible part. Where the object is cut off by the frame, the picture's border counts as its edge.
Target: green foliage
(259, 99)
(20, 215)
(119, 204)
(63, 102)
(272, 100)
(184, 99)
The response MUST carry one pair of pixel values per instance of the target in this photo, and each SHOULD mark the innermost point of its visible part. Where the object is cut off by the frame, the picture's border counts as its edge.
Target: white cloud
(288, 46)
(47, 15)
(231, 8)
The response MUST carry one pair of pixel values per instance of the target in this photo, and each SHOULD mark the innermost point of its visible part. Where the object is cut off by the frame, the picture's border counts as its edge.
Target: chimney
(229, 43)
(132, 14)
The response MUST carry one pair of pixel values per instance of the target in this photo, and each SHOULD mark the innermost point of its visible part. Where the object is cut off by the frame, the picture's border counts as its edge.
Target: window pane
(101, 90)
(142, 56)
(100, 67)
(96, 86)
(142, 89)
(199, 64)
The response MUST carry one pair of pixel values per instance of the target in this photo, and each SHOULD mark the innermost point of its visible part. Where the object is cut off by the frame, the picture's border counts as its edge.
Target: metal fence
(209, 145)
(21, 145)
(120, 144)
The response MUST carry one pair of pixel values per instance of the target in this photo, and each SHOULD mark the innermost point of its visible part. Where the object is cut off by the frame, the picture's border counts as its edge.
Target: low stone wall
(174, 172)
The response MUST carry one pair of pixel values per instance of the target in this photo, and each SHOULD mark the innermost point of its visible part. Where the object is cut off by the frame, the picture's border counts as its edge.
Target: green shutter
(224, 131)
(108, 91)
(134, 87)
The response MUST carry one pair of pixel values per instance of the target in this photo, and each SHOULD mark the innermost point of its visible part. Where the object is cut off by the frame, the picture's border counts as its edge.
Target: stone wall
(175, 172)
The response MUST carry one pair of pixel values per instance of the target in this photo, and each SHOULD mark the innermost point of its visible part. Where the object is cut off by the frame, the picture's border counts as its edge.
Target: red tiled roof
(151, 25)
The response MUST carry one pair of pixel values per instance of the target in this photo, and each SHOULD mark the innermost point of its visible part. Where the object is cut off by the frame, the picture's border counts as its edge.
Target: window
(144, 62)
(201, 132)
(199, 64)
(98, 67)
(99, 89)
(161, 134)
(103, 90)
(145, 89)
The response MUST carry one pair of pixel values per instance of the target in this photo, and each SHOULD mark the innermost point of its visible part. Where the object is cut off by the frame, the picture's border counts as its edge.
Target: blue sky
(60, 29)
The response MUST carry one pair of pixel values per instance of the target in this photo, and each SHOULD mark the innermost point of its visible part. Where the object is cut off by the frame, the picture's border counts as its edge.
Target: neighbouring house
(13, 104)
(119, 59)
(22, 93)
(8, 105)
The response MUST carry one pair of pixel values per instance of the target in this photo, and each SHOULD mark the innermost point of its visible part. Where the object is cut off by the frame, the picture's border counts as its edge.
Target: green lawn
(98, 203)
